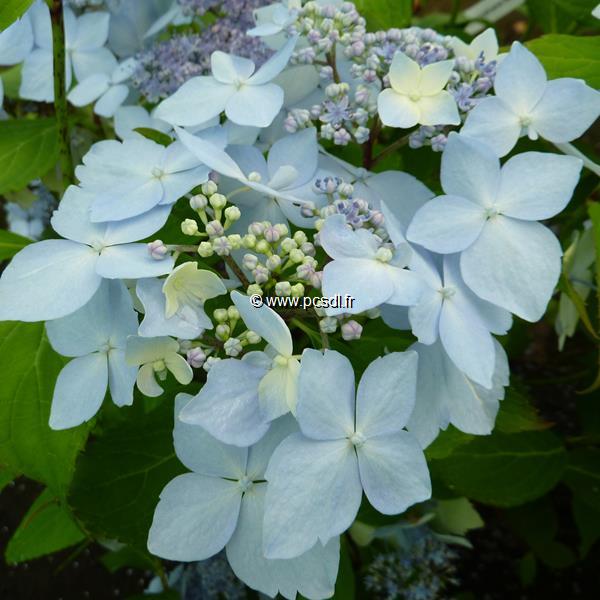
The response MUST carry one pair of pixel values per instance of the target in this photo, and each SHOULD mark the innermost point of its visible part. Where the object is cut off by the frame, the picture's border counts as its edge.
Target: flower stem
(60, 92)
(391, 148)
(237, 271)
(567, 148)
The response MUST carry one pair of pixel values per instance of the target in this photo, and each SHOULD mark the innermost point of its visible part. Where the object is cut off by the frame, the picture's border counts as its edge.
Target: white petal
(145, 350)
(520, 79)
(386, 394)
(135, 228)
(195, 517)
(326, 395)
(447, 224)
(255, 105)
(266, 322)
(397, 110)
(36, 77)
(407, 286)
(275, 64)
(434, 77)
(404, 73)
(341, 241)
(227, 405)
(88, 90)
(121, 378)
(131, 261)
(79, 391)
(367, 282)
(470, 170)
(298, 150)
(313, 493)
(16, 41)
(121, 206)
(485, 42)
(196, 101)
(537, 185)
(146, 382)
(201, 452)
(493, 122)
(88, 62)
(514, 264)
(424, 317)
(278, 390)
(179, 367)
(393, 472)
(48, 280)
(440, 109)
(92, 30)
(567, 109)
(109, 102)
(313, 574)
(228, 68)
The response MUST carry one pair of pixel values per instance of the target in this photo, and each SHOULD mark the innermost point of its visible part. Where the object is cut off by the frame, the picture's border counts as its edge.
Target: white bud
(210, 361)
(222, 331)
(232, 347)
(232, 213)
(254, 177)
(296, 256)
(233, 313)
(254, 288)
(297, 290)
(351, 330)
(209, 188)
(196, 357)
(198, 202)
(383, 254)
(283, 288)
(252, 337)
(250, 261)
(273, 262)
(262, 246)
(214, 228)
(157, 249)
(217, 201)
(249, 241)
(220, 315)
(328, 325)
(189, 227)
(205, 249)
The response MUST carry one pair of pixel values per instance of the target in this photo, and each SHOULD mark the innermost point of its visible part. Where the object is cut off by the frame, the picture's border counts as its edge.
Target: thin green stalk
(60, 92)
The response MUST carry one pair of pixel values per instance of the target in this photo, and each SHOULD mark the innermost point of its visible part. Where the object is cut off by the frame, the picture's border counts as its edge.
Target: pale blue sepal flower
(274, 18)
(316, 478)
(489, 215)
(155, 356)
(526, 103)
(360, 270)
(246, 96)
(450, 311)
(485, 43)
(129, 118)
(445, 395)
(220, 504)
(131, 177)
(95, 336)
(285, 178)
(16, 41)
(53, 278)
(183, 325)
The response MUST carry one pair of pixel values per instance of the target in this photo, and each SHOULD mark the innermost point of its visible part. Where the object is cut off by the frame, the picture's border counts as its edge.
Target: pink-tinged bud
(196, 357)
(157, 250)
(351, 330)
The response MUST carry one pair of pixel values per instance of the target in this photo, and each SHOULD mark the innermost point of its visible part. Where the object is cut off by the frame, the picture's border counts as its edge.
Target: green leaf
(127, 557)
(504, 469)
(11, 243)
(587, 520)
(569, 56)
(122, 472)
(383, 14)
(456, 516)
(6, 476)
(446, 442)
(11, 79)
(29, 369)
(11, 10)
(156, 136)
(516, 414)
(583, 475)
(28, 150)
(47, 527)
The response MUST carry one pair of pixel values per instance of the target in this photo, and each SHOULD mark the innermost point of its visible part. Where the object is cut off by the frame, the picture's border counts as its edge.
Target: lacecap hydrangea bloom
(191, 254)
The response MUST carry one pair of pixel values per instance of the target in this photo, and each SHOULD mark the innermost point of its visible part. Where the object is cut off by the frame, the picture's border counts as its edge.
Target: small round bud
(273, 262)
(271, 234)
(214, 228)
(308, 209)
(198, 202)
(210, 362)
(345, 189)
(296, 256)
(300, 238)
(250, 261)
(288, 244)
(189, 227)
(157, 249)
(283, 288)
(373, 313)
(232, 347)
(205, 249)
(235, 241)
(233, 313)
(249, 241)
(261, 274)
(220, 315)
(252, 337)
(282, 229)
(383, 254)
(221, 246)
(254, 288)
(196, 357)
(308, 249)
(254, 177)
(217, 201)
(328, 324)
(351, 330)
(209, 188)
(262, 246)
(222, 331)
(232, 213)
(376, 217)
(256, 228)
(297, 290)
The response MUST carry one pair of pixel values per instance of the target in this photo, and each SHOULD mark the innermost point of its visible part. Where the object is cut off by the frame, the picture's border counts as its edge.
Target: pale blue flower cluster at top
(279, 445)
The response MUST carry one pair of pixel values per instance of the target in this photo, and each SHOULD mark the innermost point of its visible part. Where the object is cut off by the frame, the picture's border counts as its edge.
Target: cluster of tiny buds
(233, 344)
(279, 261)
(350, 328)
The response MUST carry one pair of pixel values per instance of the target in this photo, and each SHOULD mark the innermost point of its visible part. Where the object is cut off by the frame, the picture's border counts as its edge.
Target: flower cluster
(222, 195)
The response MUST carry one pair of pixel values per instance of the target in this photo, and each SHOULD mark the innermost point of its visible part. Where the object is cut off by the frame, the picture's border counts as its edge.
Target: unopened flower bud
(351, 330)
(261, 274)
(282, 229)
(189, 227)
(288, 244)
(376, 217)
(271, 234)
(198, 202)
(273, 262)
(254, 288)
(250, 261)
(252, 337)
(249, 241)
(308, 209)
(221, 246)
(196, 357)
(205, 249)
(233, 313)
(383, 254)
(256, 228)
(235, 241)
(222, 331)
(283, 288)
(296, 255)
(232, 213)
(254, 177)
(328, 325)
(209, 188)
(210, 362)
(220, 315)
(308, 249)
(217, 201)
(157, 249)
(262, 246)
(232, 347)
(300, 237)
(297, 290)
(373, 313)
